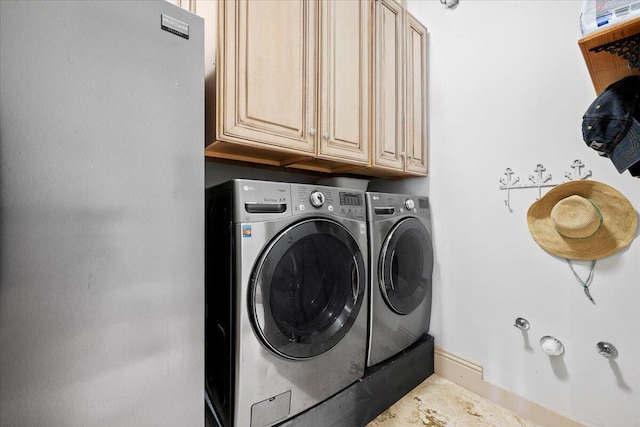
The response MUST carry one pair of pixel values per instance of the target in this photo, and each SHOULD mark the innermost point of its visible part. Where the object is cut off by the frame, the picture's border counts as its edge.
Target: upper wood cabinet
(292, 83)
(344, 85)
(389, 87)
(324, 85)
(266, 77)
(416, 142)
(399, 101)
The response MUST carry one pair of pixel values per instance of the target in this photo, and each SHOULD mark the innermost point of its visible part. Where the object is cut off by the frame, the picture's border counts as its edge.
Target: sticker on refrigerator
(246, 231)
(174, 26)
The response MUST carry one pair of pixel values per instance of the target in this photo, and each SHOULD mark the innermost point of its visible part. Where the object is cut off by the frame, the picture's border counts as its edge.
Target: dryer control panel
(335, 201)
(385, 205)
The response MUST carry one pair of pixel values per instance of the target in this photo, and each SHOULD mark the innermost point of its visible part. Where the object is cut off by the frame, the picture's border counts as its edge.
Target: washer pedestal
(382, 386)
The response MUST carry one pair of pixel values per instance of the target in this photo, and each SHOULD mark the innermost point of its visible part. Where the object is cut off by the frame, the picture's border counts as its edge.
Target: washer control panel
(260, 200)
(341, 202)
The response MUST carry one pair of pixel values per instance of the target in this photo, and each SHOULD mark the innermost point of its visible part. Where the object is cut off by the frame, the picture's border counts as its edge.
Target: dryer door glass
(307, 288)
(406, 265)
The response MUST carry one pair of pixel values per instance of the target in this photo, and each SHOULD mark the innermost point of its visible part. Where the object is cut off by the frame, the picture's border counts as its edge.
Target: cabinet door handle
(326, 135)
(312, 132)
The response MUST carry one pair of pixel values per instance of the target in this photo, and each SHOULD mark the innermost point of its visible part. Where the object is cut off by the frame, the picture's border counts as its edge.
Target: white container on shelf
(600, 14)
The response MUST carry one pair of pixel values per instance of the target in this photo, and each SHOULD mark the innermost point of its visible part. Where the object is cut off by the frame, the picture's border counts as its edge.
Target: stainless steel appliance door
(307, 288)
(405, 266)
(101, 214)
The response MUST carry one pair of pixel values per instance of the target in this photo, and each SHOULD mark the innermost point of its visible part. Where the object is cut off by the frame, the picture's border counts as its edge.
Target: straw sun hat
(582, 220)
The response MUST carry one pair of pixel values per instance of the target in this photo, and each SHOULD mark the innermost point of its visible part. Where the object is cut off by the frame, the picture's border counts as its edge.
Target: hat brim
(627, 151)
(618, 228)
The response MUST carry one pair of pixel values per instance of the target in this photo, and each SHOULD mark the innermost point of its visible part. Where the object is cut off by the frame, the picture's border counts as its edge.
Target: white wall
(508, 88)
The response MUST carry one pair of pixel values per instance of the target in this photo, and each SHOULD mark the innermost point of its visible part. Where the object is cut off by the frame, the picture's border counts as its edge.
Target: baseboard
(468, 374)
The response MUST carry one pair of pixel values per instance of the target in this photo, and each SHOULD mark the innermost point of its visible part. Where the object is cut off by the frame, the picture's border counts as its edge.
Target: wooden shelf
(606, 67)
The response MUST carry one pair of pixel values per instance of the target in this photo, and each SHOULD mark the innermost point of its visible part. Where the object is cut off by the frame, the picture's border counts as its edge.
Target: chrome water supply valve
(450, 4)
(607, 350)
(522, 324)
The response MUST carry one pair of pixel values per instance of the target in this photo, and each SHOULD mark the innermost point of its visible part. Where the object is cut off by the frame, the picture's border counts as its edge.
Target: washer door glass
(307, 288)
(406, 265)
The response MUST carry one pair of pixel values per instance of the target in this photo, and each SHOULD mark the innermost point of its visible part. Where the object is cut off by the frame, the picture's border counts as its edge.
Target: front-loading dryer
(400, 271)
(286, 298)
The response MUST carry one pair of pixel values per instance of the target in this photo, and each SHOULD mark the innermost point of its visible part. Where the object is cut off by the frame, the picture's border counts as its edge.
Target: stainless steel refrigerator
(101, 214)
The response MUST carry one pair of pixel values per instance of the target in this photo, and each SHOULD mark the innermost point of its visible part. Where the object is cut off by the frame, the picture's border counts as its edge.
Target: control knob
(316, 198)
(409, 204)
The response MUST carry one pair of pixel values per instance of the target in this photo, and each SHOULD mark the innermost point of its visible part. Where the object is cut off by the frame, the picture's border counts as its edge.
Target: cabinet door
(345, 42)
(388, 99)
(416, 63)
(267, 73)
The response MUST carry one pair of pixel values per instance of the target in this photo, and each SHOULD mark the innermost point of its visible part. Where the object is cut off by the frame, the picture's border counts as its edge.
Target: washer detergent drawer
(271, 410)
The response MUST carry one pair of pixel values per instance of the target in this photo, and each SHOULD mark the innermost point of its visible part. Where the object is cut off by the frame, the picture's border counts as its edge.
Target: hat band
(596, 230)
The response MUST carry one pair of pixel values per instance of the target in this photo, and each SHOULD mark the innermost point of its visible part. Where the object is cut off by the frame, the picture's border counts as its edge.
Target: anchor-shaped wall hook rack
(539, 179)
(507, 183)
(576, 173)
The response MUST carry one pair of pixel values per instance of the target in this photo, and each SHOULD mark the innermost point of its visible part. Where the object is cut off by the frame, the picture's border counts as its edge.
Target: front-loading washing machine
(400, 271)
(286, 298)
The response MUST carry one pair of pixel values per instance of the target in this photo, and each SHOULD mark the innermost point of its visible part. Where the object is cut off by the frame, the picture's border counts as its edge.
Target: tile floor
(438, 402)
